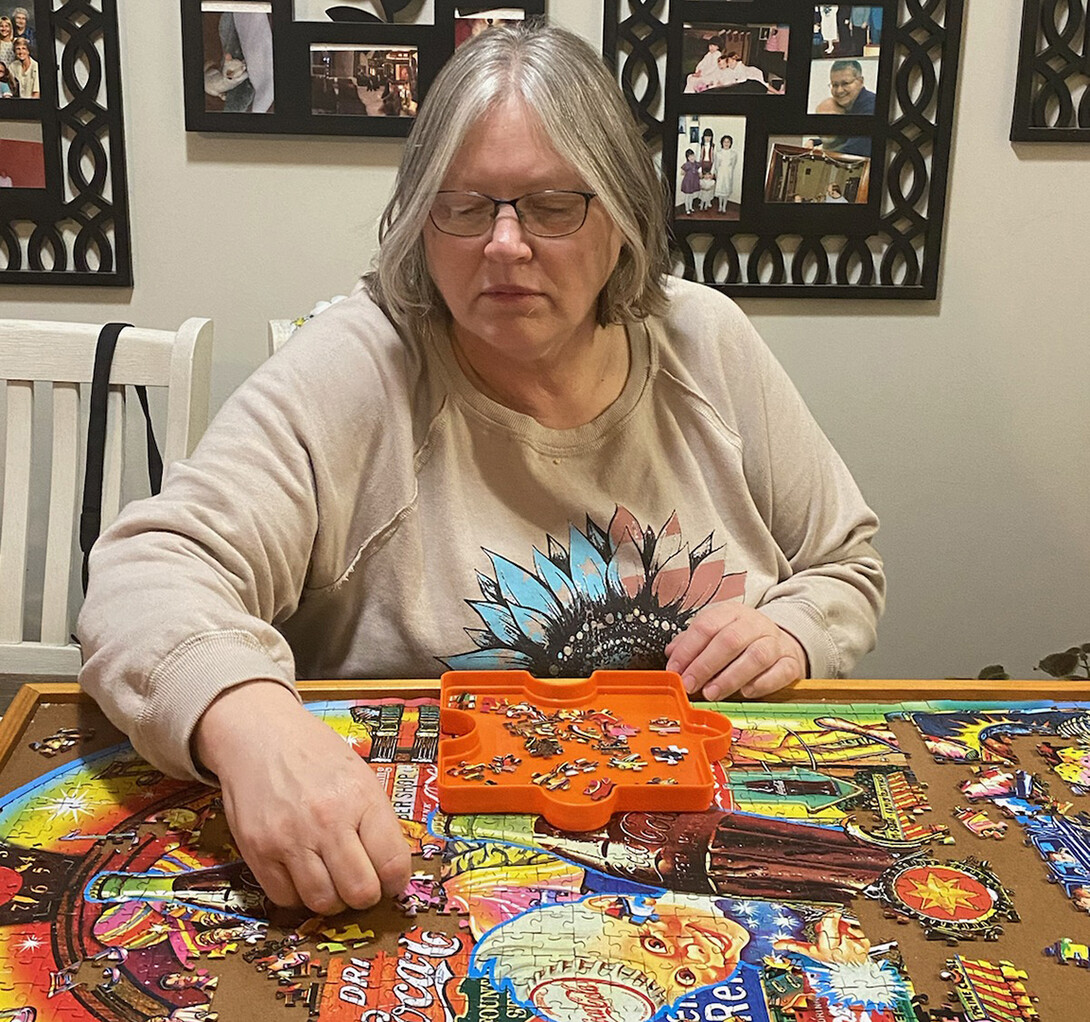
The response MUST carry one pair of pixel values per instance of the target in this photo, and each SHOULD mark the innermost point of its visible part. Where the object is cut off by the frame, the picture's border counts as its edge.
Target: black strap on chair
(90, 519)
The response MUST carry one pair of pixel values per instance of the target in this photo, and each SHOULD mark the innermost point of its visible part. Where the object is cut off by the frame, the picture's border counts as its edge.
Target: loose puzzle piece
(62, 740)
(990, 992)
(979, 823)
(1069, 763)
(1067, 950)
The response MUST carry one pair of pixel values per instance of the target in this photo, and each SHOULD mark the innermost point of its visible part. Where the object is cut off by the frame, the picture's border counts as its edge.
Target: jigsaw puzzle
(807, 892)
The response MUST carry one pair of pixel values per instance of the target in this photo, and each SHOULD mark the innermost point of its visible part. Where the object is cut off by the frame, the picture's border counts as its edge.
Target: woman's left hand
(730, 648)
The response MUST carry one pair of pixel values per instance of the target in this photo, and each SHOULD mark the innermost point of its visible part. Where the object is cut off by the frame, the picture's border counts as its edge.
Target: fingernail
(711, 693)
(689, 683)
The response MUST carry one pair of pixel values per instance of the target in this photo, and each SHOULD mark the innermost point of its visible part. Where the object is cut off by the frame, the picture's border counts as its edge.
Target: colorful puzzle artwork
(805, 893)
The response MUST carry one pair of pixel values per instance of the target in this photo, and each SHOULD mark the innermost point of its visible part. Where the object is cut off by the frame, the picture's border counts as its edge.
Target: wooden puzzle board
(81, 817)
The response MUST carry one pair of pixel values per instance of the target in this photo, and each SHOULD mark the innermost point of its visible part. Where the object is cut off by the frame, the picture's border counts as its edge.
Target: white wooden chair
(281, 329)
(59, 358)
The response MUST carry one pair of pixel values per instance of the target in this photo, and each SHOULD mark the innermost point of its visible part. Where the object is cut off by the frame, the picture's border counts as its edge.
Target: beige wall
(963, 419)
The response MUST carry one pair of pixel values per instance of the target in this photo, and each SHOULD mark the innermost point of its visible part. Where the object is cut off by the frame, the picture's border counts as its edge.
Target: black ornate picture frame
(318, 68)
(841, 116)
(1052, 92)
(64, 212)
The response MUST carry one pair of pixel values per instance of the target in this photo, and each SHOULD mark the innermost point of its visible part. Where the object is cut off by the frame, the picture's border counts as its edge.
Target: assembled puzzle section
(575, 751)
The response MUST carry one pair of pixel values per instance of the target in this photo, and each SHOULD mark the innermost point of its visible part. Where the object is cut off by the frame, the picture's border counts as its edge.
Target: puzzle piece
(990, 991)
(979, 823)
(350, 936)
(672, 754)
(1067, 950)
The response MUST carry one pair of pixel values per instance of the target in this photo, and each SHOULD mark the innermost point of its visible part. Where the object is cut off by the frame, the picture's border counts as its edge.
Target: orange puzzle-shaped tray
(575, 751)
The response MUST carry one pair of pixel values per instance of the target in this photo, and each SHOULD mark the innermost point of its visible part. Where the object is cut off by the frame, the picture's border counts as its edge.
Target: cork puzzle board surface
(878, 862)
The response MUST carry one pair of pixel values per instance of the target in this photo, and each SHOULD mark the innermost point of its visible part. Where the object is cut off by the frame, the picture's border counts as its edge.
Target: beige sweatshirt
(358, 510)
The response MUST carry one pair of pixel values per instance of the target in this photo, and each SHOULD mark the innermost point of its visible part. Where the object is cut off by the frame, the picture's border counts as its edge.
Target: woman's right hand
(307, 813)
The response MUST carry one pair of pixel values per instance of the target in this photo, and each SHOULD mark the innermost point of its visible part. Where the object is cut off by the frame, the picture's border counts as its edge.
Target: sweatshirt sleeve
(185, 588)
(831, 590)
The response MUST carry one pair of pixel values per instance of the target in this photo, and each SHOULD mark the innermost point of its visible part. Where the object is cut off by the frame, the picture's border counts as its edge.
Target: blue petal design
(588, 570)
(520, 586)
(489, 660)
(559, 583)
(533, 625)
(499, 621)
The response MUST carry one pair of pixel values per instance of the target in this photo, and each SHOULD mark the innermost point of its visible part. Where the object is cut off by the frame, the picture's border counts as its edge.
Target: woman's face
(20, 21)
(5, 28)
(513, 295)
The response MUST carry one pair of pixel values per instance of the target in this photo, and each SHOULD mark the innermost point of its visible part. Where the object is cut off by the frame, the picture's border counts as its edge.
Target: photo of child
(709, 173)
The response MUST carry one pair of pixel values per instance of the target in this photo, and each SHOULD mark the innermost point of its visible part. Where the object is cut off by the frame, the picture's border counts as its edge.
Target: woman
(20, 19)
(516, 398)
(726, 165)
(7, 40)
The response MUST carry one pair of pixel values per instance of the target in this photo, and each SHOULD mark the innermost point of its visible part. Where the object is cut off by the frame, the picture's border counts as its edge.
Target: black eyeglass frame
(514, 204)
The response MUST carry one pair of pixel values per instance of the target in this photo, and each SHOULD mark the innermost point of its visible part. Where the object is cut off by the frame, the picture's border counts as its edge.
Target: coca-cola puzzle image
(852, 868)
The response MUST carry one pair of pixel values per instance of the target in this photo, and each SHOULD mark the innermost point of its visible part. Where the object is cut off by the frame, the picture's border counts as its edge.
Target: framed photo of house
(808, 143)
(314, 67)
(1052, 89)
(64, 215)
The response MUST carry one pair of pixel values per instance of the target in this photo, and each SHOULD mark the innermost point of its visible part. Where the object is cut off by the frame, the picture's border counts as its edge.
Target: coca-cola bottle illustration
(713, 852)
(230, 889)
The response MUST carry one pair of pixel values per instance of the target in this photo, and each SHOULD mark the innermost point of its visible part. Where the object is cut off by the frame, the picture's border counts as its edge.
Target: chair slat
(64, 478)
(13, 530)
(114, 461)
(66, 352)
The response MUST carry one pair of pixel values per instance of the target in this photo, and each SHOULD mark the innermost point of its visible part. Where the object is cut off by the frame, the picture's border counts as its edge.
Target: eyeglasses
(553, 213)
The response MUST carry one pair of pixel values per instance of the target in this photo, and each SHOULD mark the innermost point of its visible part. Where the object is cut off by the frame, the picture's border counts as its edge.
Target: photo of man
(840, 86)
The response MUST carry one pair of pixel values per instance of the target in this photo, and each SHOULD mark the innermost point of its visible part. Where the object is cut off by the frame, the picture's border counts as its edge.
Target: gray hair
(585, 117)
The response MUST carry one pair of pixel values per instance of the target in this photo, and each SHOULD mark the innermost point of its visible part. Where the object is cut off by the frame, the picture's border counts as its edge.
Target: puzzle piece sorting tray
(575, 751)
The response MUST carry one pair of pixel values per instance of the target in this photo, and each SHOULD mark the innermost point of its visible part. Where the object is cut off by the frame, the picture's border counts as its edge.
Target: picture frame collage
(315, 67)
(1052, 96)
(64, 215)
(805, 144)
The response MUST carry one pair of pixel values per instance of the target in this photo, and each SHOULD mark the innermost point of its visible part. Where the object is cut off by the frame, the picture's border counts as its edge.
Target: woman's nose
(508, 238)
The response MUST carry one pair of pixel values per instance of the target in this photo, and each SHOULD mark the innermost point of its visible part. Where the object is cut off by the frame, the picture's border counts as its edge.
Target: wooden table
(131, 864)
